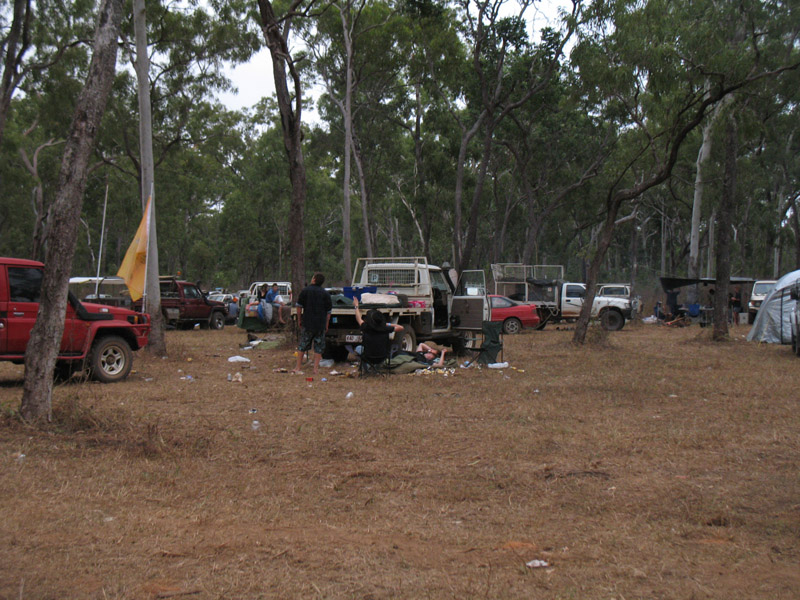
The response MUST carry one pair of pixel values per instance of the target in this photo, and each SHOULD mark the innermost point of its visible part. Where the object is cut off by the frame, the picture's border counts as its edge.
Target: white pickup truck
(429, 307)
(559, 301)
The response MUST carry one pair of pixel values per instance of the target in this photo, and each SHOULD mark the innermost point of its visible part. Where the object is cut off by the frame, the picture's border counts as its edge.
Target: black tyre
(512, 325)
(544, 317)
(217, 320)
(406, 340)
(612, 320)
(111, 359)
(463, 344)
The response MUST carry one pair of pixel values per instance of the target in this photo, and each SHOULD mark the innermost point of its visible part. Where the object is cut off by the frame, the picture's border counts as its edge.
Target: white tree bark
(157, 343)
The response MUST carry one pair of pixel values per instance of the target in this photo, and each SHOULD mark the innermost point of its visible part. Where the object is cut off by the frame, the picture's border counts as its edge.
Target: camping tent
(772, 323)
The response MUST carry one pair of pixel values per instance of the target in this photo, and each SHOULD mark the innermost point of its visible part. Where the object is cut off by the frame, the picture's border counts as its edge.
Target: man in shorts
(313, 315)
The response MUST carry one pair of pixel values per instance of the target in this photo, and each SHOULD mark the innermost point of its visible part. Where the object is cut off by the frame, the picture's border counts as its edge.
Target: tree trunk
(697, 209)
(157, 343)
(458, 242)
(42, 351)
(712, 227)
(15, 45)
(291, 126)
(472, 226)
(347, 117)
(369, 246)
(724, 220)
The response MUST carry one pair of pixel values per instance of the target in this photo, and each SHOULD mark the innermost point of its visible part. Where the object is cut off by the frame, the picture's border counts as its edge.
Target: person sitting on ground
(273, 296)
(427, 354)
(375, 331)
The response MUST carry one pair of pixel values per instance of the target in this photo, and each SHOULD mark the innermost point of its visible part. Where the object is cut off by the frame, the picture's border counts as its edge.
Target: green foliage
(603, 119)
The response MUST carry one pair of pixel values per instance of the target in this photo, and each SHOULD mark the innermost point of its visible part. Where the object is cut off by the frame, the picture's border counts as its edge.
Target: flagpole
(100, 253)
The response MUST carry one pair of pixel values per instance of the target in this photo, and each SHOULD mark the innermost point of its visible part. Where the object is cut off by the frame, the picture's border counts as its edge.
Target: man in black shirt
(375, 332)
(313, 315)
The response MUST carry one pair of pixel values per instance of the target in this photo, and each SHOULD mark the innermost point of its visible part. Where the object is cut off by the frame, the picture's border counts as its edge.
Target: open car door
(470, 305)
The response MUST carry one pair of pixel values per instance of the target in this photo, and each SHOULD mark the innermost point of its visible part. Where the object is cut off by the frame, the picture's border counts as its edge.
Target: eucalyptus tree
(659, 68)
(187, 46)
(35, 35)
(42, 350)
(277, 29)
(505, 70)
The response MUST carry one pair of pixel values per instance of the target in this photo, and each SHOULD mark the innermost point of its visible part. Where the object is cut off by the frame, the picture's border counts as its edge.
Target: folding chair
(373, 365)
(375, 357)
(491, 350)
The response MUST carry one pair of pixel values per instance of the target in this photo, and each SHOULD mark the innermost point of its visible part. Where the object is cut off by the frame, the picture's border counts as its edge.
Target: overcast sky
(254, 81)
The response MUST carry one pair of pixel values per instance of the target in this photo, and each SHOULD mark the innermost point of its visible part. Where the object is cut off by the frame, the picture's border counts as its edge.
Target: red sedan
(514, 315)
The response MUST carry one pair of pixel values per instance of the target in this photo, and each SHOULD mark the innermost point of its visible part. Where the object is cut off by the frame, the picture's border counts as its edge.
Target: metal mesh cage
(388, 277)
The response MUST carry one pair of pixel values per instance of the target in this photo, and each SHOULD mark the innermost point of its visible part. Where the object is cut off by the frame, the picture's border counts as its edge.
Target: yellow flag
(134, 265)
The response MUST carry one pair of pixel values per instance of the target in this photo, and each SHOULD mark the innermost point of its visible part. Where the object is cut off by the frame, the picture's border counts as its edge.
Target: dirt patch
(651, 463)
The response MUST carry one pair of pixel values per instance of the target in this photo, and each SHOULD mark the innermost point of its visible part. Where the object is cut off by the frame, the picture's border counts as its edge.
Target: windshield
(762, 288)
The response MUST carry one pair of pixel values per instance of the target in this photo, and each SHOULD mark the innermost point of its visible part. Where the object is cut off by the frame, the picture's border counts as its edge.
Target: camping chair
(373, 365)
(491, 350)
(375, 358)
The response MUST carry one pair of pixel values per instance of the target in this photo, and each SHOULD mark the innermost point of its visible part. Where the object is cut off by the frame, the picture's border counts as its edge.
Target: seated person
(273, 297)
(375, 331)
(427, 354)
(265, 308)
(658, 312)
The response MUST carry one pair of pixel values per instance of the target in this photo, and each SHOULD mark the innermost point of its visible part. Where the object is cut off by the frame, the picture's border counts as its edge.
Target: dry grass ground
(651, 464)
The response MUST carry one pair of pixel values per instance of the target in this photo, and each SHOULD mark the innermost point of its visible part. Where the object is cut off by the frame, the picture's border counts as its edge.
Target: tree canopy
(461, 130)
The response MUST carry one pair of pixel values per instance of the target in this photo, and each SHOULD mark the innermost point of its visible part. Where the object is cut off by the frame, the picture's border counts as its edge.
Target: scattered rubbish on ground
(256, 425)
(537, 564)
(326, 363)
(18, 456)
(280, 370)
(502, 365)
(230, 377)
(262, 345)
(237, 378)
(238, 359)
(253, 411)
(187, 378)
(349, 395)
(148, 379)
(446, 371)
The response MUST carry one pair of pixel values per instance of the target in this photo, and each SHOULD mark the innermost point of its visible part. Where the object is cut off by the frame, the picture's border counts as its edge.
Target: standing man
(313, 315)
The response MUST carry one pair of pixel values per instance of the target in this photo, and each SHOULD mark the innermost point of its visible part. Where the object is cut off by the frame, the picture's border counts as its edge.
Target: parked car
(760, 291)
(184, 305)
(514, 315)
(228, 300)
(97, 338)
